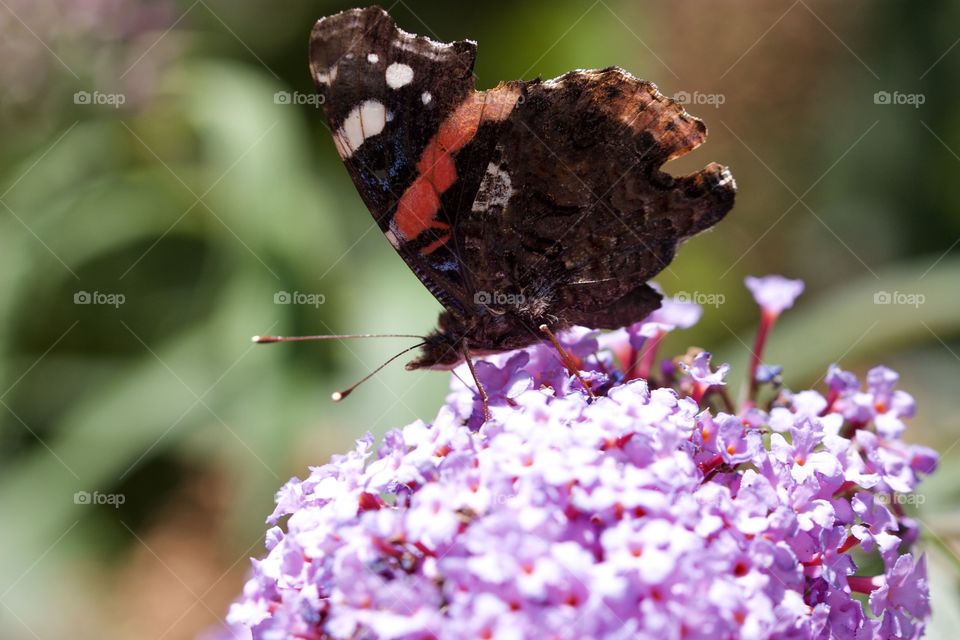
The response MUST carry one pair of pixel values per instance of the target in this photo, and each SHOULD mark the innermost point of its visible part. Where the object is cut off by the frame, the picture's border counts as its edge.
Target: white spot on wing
(726, 178)
(328, 76)
(392, 237)
(364, 121)
(408, 43)
(426, 97)
(495, 191)
(373, 58)
(342, 147)
(399, 75)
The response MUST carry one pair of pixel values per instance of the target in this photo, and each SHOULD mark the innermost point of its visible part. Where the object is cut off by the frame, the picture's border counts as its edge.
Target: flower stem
(649, 355)
(767, 320)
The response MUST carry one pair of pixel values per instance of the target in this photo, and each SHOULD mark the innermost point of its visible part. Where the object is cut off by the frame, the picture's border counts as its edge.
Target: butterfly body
(532, 203)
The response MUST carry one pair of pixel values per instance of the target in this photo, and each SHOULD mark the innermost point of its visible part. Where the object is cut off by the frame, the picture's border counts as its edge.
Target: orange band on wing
(436, 244)
(420, 203)
(417, 208)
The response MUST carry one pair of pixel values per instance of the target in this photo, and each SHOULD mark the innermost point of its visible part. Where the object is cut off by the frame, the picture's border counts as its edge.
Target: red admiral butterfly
(525, 208)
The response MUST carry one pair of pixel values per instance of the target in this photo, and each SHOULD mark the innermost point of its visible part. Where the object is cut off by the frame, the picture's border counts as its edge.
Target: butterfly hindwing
(575, 212)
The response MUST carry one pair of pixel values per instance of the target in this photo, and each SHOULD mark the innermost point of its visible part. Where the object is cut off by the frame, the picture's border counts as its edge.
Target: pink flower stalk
(775, 294)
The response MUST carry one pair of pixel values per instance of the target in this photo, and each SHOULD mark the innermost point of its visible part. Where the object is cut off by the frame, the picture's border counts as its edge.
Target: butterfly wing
(395, 105)
(574, 214)
(533, 202)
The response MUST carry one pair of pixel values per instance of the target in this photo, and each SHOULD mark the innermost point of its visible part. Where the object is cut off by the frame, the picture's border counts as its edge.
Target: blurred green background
(180, 214)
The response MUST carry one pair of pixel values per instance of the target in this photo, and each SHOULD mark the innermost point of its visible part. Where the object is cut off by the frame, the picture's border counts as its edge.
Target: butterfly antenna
(352, 336)
(337, 396)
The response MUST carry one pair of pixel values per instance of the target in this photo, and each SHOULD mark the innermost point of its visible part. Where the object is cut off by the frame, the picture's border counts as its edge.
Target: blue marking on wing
(447, 265)
(400, 161)
(380, 151)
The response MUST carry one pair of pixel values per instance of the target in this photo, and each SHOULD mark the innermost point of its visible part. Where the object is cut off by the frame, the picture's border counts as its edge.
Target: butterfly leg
(568, 360)
(484, 398)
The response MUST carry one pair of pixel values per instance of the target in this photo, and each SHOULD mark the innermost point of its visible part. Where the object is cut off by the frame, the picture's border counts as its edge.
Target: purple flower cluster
(657, 510)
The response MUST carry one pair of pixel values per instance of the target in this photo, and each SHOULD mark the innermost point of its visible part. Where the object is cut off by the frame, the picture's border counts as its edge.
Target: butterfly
(525, 208)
